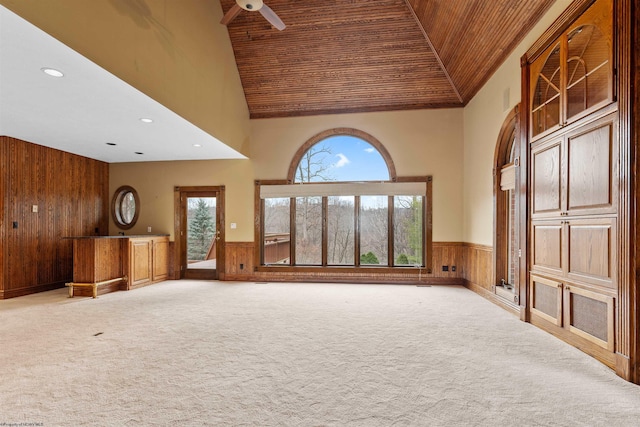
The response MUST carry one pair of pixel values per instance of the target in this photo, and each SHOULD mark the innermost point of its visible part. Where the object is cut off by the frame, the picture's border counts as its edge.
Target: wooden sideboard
(103, 264)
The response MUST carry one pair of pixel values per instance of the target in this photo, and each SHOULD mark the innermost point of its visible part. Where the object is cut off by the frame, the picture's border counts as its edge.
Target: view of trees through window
(201, 227)
(338, 217)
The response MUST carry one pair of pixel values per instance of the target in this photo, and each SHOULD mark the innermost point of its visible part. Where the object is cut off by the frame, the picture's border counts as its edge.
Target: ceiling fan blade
(271, 16)
(231, 14)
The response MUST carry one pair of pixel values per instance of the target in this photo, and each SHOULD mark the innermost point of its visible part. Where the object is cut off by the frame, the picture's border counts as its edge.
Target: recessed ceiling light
(146, 120)
(111, 143)
(137, 152)
(52, 72)
(197, 145)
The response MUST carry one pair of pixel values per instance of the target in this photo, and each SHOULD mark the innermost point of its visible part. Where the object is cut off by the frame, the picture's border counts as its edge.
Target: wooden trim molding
(508, 139)
(573, 11)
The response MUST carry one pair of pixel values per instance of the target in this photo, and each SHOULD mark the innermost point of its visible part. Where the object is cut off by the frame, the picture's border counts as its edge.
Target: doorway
(199, 232)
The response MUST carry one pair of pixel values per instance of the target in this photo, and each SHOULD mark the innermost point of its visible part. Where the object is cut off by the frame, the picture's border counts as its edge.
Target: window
(343, 206)
(125, 207)
(506, 237)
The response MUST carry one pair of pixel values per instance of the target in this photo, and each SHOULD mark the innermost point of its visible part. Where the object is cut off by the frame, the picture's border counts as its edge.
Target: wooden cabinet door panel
(592, 251)
(140, 271)
(590, 315)
(547, 180)
(546, 246)
(160, 259)
(590, 183)
(546, 299)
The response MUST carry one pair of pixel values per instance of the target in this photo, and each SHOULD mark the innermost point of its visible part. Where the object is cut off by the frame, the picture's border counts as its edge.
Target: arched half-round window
(342, 155)
(125, 207)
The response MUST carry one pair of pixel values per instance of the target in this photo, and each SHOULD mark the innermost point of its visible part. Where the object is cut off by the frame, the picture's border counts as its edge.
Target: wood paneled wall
(478, 266)
(71, 194)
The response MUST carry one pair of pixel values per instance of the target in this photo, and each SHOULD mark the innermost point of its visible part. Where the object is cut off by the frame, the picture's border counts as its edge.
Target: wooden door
(199, 217)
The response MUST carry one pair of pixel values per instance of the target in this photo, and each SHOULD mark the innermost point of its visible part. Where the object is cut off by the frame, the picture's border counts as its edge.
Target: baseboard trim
(13, 293)
(341, 279)
(501, 302)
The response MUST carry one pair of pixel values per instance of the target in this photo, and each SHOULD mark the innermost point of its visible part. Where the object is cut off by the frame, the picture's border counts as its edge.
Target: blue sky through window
(353, 159)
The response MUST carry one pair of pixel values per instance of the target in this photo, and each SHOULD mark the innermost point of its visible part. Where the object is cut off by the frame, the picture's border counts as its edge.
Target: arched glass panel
(546, 98)
(342, 158)
(587, 69)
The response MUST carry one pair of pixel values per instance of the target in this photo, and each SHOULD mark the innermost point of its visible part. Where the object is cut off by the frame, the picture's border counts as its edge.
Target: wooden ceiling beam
(433, 49)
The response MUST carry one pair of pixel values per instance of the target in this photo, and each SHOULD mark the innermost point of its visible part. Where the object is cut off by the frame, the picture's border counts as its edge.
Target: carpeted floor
(194, 353)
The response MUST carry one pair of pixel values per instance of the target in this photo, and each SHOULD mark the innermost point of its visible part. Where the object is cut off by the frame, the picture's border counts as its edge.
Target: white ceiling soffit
(87, 108)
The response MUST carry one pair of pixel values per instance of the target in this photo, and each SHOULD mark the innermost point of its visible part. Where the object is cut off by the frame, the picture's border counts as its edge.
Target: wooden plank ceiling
(344, 56)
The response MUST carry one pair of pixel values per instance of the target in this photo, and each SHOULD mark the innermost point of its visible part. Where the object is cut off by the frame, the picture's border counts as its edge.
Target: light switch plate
(233, 225)
(34, 208)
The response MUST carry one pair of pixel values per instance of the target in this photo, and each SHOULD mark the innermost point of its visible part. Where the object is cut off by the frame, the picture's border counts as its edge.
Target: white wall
(421, 142)
(483, 118)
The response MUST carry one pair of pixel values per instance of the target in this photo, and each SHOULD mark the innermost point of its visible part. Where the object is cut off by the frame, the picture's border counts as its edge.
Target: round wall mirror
(125, 207)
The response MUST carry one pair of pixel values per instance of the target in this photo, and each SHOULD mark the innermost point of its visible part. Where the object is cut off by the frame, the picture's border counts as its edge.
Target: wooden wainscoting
(71, 196)
(239, 265)
(478, 266)
(238, 261)
(478, 275)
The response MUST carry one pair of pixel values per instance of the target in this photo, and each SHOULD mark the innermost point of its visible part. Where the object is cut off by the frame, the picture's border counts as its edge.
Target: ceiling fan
(253, 6)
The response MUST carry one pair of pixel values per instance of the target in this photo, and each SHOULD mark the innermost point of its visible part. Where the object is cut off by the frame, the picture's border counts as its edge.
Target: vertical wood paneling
(478, 265)
(630, 131)
(239, 253)
(628, 57)
(68, 190)
(4, 222)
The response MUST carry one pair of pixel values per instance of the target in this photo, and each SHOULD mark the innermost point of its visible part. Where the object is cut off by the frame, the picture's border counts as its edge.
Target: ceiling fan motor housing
(250, 5)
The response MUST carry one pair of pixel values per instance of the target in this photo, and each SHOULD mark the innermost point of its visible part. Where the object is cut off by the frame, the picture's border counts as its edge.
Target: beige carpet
(232, 354)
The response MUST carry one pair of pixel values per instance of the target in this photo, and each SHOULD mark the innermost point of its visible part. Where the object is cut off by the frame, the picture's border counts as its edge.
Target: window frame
(117, 213)
(427, 216)
(508, 143)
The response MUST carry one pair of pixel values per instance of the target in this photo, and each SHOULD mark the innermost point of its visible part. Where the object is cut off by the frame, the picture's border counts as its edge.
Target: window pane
(309, 230)
(201, 230)
(277, 230)
(546, 98)
(340, 230)
(587, 68)
(407, 229)
(342, 158)
(128, 207)
(374, 230)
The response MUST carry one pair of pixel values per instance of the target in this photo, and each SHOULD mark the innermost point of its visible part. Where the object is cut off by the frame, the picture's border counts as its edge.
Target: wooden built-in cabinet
(577, 216)
(148, 260)
(575, 172)
(138, 260)
(573, 76)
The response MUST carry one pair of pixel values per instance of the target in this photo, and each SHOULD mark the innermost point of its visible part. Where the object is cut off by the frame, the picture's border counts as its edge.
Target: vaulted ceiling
(343, 56)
